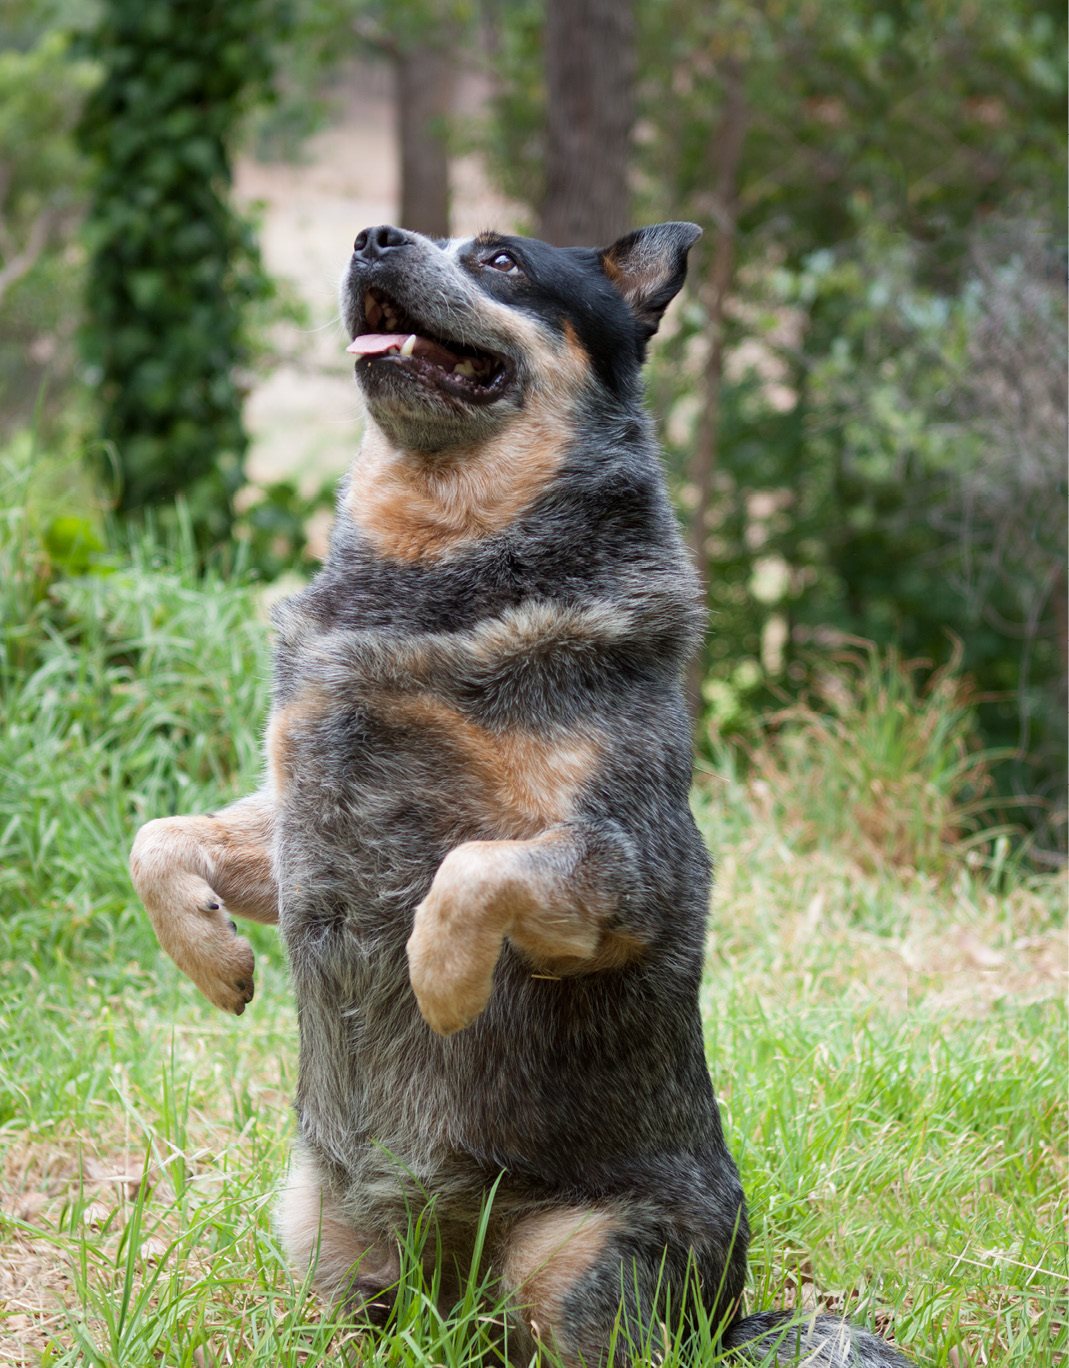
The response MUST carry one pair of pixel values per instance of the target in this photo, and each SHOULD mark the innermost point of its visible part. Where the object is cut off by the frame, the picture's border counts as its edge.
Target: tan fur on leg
(192, 874)
(456, 938)
(547, 1254)
(314, 1233)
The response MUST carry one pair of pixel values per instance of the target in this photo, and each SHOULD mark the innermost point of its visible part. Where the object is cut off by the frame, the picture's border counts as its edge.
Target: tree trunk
(590, 67)
(725, 154)
(424, 89)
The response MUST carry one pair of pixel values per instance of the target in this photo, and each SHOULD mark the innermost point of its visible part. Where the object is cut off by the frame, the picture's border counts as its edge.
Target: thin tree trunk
(1059, 602)
(424, 90)
(590, 66)
(725, 154)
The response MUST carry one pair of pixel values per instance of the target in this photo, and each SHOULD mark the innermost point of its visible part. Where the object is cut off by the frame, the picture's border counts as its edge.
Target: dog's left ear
(649, 266)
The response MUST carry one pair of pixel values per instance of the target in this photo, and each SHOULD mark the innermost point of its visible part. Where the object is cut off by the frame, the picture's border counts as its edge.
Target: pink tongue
(371, 344)
(375, 344)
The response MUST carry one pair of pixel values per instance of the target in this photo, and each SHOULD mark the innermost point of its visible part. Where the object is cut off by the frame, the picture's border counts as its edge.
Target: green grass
(888, 1045)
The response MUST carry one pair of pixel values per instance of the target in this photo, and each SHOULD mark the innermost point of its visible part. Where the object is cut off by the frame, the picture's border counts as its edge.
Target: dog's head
(452, 338)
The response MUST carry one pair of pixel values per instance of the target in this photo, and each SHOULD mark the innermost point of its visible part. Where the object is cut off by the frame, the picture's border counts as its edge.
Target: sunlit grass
(887, 1039)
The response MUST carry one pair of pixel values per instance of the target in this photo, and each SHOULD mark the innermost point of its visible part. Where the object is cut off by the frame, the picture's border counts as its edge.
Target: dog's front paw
(456, 941)
(451, 980)
(191, 920)
(196, 931)
(220, 962)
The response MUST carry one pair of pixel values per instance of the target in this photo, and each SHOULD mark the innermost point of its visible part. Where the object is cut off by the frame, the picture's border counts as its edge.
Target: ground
(888, 1051)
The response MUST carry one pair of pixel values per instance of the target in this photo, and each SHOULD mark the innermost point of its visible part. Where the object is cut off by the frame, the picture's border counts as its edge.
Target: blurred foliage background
(862, 391)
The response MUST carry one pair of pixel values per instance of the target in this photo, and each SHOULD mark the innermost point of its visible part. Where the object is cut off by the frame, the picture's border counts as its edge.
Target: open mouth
(454, 369)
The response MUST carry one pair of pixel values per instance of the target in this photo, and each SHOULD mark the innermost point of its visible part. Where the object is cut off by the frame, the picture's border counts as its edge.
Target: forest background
(862, 397)
(862, 394)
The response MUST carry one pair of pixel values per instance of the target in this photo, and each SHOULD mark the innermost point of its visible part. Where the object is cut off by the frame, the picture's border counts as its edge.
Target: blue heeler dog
(474, 830)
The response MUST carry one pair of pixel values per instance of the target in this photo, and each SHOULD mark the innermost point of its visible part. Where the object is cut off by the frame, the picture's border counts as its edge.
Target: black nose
(376, 242)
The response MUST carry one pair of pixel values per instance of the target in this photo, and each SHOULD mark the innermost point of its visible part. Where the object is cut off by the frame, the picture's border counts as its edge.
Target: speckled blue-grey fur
(576, 618)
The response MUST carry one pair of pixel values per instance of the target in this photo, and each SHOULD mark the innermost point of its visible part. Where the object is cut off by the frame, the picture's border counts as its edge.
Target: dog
(474, 830)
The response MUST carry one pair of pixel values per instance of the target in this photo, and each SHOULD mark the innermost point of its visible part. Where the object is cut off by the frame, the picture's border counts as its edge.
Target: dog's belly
(556, 1081)
(371, 799)
(559, 1082)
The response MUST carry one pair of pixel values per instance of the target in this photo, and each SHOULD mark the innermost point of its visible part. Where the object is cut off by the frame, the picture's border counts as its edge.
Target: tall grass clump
(132, 684)
(882, 762)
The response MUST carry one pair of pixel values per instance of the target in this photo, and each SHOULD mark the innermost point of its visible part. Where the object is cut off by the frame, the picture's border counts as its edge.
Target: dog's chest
(379, 771)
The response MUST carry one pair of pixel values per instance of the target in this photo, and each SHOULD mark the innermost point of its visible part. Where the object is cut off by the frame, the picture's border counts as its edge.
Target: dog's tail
(817, 1342)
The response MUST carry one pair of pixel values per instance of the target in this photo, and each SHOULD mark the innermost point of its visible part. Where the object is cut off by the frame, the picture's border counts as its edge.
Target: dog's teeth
(409, 345)
(464, 368)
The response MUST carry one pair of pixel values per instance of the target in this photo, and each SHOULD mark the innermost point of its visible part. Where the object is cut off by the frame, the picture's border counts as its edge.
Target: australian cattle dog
(474, 829)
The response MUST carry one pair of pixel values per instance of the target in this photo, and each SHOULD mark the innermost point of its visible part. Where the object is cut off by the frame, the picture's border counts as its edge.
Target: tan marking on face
(579, 357)
(546, 1257)
(412, 506)
(527, 780)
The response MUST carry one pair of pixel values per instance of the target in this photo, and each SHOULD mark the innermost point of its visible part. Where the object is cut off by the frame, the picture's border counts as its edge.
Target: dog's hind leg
(192, 874)
(548, 1259)
(316, 1235)
(584, 1278)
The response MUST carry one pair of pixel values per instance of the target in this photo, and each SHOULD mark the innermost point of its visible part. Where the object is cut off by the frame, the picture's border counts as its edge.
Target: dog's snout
(372, 243)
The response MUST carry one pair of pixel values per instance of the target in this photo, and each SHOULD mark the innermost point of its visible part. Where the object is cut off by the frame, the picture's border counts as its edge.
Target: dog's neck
(415, 505)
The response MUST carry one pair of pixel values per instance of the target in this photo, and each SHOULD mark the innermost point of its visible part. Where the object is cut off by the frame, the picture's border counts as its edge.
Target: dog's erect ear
(649, 266)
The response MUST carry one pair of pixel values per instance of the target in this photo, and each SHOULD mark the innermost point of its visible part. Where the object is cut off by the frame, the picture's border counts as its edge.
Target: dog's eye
(502, 261)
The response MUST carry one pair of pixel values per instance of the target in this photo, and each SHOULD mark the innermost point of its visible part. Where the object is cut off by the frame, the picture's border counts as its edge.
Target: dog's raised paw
(457, 935)
(223, 964)
(195, 928)
(451, 971)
